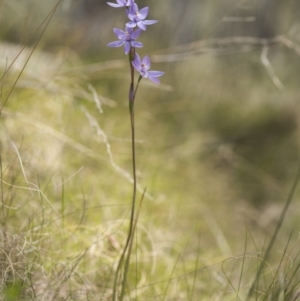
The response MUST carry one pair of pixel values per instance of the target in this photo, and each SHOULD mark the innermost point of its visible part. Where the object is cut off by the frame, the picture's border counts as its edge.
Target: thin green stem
(49, 17)
(2, 197)
(130, 233)
(278, 226)
(132, 94)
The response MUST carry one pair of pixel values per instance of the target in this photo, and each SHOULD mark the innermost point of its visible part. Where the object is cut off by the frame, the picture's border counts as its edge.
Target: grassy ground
(217, 150)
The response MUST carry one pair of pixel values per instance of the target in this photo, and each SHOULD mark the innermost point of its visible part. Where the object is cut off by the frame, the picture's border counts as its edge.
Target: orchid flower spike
(143, 66)
(127, 38)
(138, 17)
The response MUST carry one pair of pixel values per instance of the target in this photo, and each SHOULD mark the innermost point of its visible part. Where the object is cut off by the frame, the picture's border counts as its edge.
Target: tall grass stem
(278, 226)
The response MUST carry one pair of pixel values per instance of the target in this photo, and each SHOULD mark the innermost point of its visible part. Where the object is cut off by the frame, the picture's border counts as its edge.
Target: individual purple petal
(136, 44)
(143, 13)
(146, 62)
(152, 75)
(113, 4)
(116, 44)
(141, 25)
(121, 3)
(133, 9)
(156, 73)
(131, 24)
(135, 34)
(149, 22)
(153, 79)
(137, 62)
(126, 48)
(119, 33)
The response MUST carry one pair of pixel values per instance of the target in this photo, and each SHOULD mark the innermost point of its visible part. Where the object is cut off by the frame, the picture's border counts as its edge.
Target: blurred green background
(218, 140)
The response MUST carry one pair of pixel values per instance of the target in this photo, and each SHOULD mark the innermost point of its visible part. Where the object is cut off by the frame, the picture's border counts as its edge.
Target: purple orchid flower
(143, 66)
(138, 17)
(121, 3)
(127, 38)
